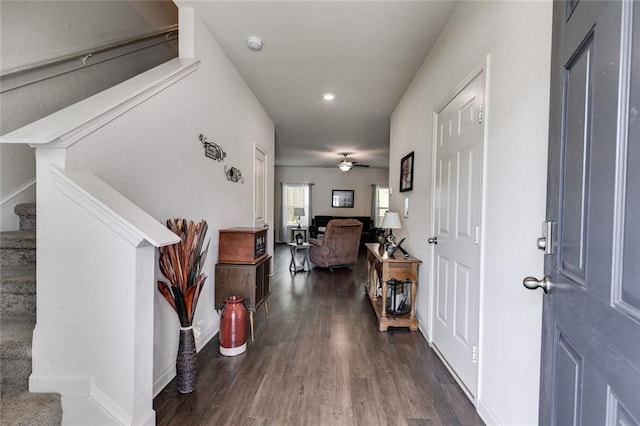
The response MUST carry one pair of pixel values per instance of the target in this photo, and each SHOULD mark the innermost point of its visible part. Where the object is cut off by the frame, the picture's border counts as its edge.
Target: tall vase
(186, 373)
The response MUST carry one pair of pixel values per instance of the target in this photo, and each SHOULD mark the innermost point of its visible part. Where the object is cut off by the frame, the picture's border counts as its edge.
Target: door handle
(532, 283)
(433, 240)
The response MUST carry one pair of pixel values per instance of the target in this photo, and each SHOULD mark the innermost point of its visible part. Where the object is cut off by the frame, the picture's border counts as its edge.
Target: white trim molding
(18, 191)
(113, 209)
(25, 193)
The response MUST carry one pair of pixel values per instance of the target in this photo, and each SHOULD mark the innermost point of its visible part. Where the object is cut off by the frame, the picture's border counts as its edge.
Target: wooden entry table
(379, 264)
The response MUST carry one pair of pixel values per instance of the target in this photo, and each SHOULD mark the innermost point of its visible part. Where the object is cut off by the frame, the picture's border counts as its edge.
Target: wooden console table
(398, 267)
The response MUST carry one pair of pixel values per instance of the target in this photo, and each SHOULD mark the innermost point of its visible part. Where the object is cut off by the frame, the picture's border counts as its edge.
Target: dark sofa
(319, 222)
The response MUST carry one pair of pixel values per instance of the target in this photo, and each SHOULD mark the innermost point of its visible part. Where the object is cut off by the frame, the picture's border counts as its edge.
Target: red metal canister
(233, 327)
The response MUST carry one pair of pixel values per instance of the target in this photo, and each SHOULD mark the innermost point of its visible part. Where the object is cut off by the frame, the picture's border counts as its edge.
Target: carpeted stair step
(27, 215)
(18, 290)
(17, 248)
(15, 352)
(28, 409)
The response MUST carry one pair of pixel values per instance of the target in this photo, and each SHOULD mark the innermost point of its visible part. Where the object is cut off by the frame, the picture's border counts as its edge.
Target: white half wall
(153, 156)
(516, 39)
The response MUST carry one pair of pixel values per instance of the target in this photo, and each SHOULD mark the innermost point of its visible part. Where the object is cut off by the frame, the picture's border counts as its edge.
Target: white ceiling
(366, 52)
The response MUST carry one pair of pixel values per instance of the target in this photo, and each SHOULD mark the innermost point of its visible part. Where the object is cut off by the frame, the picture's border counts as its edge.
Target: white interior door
(260, 188)
(457, 210)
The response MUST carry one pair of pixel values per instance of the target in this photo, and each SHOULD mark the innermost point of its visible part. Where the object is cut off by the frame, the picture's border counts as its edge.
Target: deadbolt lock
(545, 242)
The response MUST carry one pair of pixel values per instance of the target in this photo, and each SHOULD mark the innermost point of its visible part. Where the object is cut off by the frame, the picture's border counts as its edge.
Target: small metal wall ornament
(233, 174)
(212, 149)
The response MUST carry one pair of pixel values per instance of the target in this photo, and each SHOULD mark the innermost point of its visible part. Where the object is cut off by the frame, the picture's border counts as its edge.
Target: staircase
(17, 320)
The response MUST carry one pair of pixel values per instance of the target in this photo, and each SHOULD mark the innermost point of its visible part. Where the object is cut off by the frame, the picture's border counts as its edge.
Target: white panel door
(457, 202)
(260, 188)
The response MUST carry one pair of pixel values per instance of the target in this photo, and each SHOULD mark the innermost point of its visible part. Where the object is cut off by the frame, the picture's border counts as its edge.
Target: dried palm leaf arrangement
(181, 264)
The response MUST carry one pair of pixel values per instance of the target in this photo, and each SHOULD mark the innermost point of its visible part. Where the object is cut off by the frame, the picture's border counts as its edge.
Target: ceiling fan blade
(360, 165)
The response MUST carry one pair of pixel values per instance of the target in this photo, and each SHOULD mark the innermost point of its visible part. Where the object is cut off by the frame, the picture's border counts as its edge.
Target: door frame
(482, 67)
(259, 148)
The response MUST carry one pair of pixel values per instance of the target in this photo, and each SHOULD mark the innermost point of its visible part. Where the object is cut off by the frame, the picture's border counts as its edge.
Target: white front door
(457, 209)
(260, 188)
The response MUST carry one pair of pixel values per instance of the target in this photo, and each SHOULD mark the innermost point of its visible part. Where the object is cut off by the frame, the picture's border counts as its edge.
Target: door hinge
(480, 115)
(477, 235)
(474, 354)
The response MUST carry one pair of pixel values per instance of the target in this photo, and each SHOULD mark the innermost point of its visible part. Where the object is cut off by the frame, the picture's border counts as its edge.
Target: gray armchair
(340, 244)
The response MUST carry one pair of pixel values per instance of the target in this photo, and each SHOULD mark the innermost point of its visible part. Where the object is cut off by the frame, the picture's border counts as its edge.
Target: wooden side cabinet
(249, 281)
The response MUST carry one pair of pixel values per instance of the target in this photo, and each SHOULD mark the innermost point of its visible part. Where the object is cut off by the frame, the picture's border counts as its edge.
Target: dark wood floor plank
(320, 360)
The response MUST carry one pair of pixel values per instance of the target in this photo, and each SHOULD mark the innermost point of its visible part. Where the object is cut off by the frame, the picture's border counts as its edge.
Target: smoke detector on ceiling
(254, 43)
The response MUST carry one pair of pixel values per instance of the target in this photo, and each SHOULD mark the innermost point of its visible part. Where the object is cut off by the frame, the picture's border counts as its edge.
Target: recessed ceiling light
(254, 43)
(329, 96)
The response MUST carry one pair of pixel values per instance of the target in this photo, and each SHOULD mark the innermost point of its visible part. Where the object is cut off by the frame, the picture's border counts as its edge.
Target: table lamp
(298, 211)
(391, 221)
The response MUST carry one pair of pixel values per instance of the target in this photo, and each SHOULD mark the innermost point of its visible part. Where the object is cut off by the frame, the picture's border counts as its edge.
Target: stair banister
(96, 266)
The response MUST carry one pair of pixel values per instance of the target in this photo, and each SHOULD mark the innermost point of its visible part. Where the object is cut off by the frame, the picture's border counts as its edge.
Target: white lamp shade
(298, 211)
(391, 220)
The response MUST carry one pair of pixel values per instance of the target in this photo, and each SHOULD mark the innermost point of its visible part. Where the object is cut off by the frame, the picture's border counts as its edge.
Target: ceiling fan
(345, 165)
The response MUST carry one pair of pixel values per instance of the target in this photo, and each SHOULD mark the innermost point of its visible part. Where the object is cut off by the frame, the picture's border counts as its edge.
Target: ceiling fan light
(345, 166)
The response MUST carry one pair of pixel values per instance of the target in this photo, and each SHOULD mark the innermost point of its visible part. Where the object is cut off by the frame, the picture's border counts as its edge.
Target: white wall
(517, 38)
(34, 31)
(153, 156)
(326, 179)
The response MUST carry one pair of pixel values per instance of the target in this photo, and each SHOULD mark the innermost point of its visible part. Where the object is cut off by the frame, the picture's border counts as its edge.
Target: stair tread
(18, 279)
(18, 239)
(17, 336)
(25, 408)
(25, 209)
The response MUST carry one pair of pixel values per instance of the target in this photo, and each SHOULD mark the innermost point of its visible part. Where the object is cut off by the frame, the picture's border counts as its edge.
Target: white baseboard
(170, 372)
(455, 376)
(207, 335)
(486, 414)
(424, 328)
(164, 379)
(18, 191)
(84, 403)
(26, 193)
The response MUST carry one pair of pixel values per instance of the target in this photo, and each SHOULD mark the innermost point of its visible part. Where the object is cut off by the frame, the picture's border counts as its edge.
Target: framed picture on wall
(342, 198)
(406, 172)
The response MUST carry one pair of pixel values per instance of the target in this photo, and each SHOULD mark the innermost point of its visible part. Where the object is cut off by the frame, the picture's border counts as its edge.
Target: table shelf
(379, 264)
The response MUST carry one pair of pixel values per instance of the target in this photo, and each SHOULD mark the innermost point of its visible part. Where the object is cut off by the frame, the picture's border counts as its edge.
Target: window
(380, 203)
(295, 198)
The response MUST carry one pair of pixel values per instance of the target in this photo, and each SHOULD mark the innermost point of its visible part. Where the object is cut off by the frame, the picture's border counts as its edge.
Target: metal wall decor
(215, 152)
(212, 149)
(233, 174)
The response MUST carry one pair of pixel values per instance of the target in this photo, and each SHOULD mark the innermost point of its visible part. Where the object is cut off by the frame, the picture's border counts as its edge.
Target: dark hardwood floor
(320, 360)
